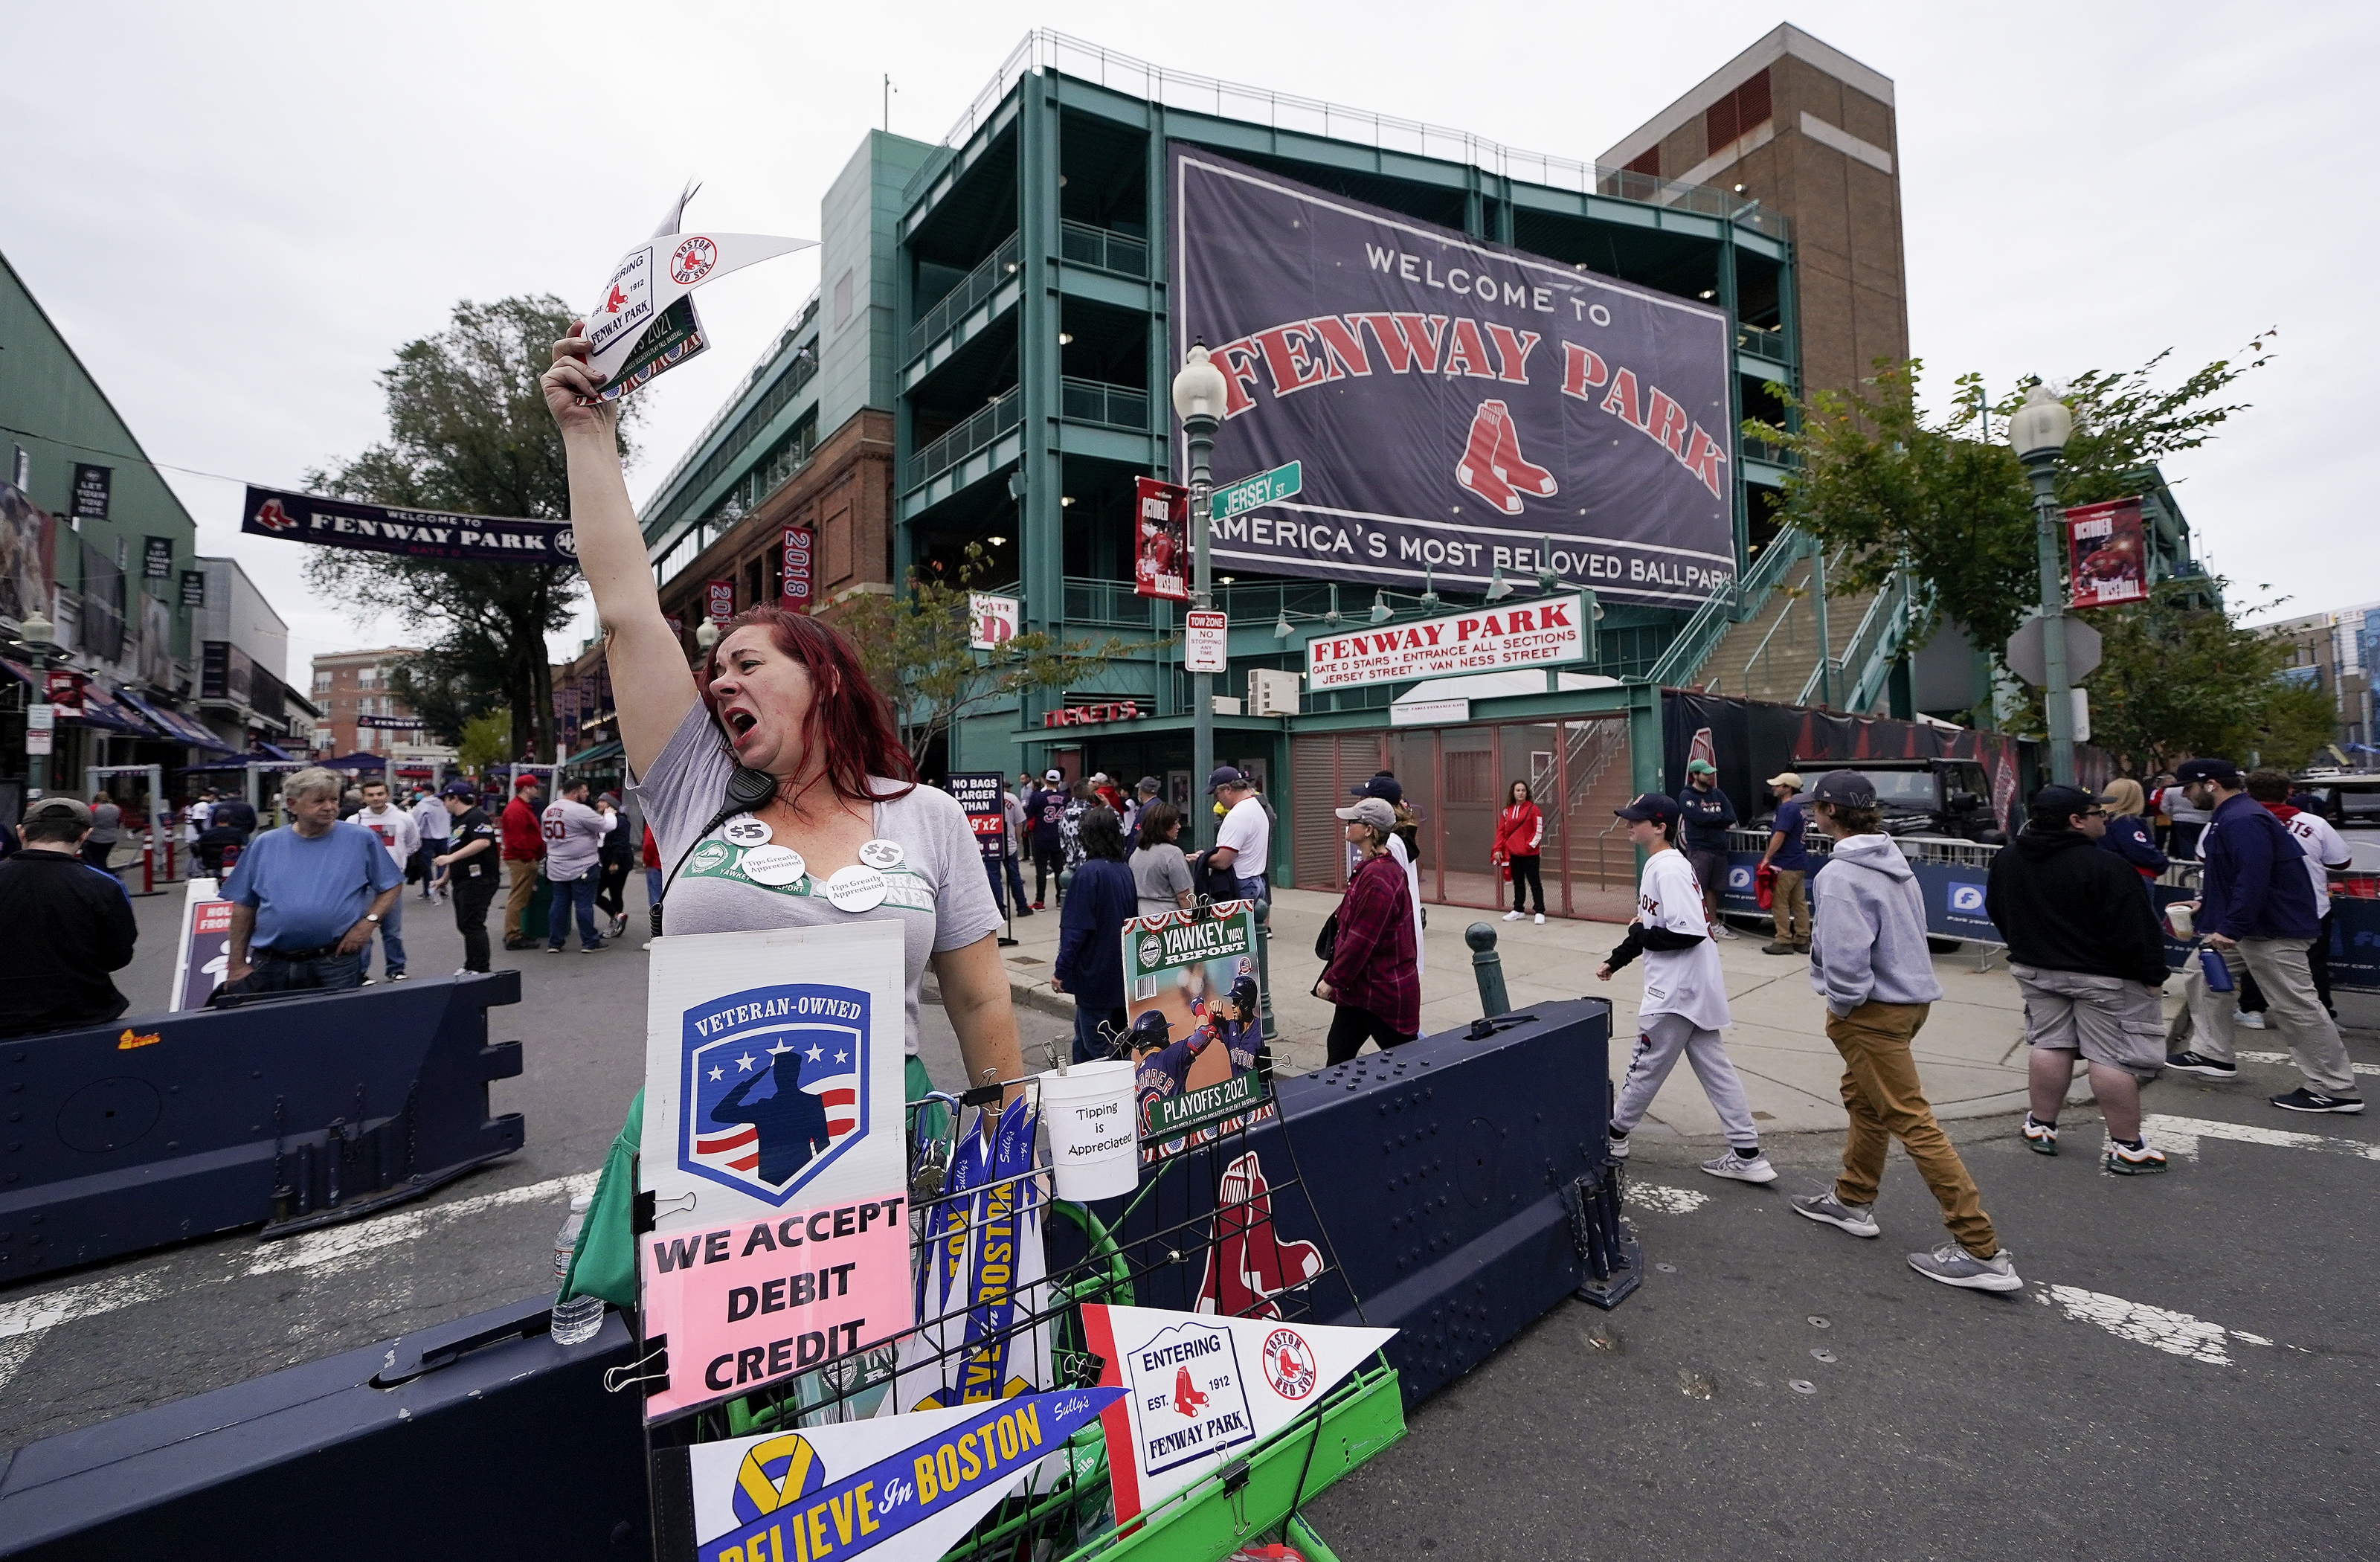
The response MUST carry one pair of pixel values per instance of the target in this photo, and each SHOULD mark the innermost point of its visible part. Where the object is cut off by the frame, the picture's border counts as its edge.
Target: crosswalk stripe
(2180, 1136)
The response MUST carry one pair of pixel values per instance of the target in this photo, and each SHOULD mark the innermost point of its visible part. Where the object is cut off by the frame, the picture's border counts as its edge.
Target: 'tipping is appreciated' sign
(1497, 638)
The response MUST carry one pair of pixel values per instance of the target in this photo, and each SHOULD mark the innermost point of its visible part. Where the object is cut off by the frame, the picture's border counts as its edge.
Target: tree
(468, 431)
(1878, 479)
(914, 647)
(484, 741)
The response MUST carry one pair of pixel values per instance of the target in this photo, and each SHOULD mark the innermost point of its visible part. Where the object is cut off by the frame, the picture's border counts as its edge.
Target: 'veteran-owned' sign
(1485, 640)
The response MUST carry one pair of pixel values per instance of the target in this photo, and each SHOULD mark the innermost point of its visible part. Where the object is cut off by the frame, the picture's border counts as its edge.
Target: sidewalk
(1971, 1049)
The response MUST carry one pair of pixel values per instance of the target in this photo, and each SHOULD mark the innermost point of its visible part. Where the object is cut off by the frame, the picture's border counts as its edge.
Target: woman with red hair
(783, 694)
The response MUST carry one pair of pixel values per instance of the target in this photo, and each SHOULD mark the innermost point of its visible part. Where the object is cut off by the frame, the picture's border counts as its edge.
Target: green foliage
(485, 741)
(467, 432)
(2177, 679)
(914, 647)
(1879, 478)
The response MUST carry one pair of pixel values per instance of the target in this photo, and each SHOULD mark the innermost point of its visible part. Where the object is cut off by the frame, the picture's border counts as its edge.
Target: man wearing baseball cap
(2089, 961)
(1404, 832)
(1685, 1005)
(64, 924)
(1045, 815)
(1243, 841)
(1792, 862)
(468, 868)
(1708, 815)
(1869, 962)
(2255, 909)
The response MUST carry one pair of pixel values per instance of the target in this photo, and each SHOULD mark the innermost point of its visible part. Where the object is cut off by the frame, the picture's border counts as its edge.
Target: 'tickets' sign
(1453, 405)
(774, 1150)
(1544, 632)
(1092, 715)
(2108, 551)
(796, 566)
(1161, 566)
(719, 601)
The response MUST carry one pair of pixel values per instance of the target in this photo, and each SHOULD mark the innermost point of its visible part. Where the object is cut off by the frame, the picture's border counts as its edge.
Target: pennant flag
(644, 322)
(1198, 1388)
(913, 1484)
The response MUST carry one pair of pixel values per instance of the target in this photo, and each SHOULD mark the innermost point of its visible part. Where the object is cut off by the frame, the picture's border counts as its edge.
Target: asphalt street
(2190, 1368)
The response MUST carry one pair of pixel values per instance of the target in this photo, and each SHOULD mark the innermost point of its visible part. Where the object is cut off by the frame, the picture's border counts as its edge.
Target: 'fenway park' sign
(1497, 638)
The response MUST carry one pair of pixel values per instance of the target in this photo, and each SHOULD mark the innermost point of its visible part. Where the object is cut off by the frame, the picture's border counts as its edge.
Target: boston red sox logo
(272, 518)
(1289, 1364)
(1249, 1264)
(617, 301)
(692, 261)
(1492, 466)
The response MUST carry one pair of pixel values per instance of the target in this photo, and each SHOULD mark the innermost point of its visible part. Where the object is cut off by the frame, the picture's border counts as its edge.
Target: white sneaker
(1512, 916)
(1541, 918)
(2251, 1021)
(1720, 929)
(1616, 1145)
(1731, 1165)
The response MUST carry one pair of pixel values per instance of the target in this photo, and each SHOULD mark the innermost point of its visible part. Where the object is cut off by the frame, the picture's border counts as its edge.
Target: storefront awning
(176, 726)
(595, 756)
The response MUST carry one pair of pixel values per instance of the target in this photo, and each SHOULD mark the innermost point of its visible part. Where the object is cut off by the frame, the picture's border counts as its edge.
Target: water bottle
(2217, 974)
(565, 1241)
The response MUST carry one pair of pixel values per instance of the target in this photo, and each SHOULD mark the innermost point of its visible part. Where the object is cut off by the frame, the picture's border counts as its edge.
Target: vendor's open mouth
(741, 722)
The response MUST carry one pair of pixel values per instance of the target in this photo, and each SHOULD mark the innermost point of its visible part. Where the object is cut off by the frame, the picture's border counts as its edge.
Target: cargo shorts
(2107, 1018)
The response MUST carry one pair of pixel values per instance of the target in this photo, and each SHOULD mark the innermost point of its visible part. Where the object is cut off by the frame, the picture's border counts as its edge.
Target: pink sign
(747, 1303)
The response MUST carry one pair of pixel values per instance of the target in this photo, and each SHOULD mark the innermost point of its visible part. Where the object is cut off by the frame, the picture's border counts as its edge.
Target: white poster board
(202, 949)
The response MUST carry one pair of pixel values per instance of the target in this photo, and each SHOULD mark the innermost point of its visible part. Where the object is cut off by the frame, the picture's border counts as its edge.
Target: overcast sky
(237, 213)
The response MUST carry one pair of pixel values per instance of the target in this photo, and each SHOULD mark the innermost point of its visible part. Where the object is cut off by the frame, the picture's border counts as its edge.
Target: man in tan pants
(1869, 962)
(524, 849)
(1793, 865)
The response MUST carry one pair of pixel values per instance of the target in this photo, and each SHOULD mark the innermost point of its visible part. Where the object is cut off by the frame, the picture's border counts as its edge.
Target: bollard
(1264, 966)
(1487, 969)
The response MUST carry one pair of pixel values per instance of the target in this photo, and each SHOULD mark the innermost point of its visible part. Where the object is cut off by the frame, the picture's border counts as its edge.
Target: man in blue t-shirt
(1793, 865)
(307, 899)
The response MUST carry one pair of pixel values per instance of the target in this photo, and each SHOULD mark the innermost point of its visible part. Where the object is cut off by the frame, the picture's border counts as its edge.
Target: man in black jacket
(64, 927)
(2088, 956)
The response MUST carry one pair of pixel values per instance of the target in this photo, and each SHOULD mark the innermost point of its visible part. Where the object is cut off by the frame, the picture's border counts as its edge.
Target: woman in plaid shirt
(1373, 975)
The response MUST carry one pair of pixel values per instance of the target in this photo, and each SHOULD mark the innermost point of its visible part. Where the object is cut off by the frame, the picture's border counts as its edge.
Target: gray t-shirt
(104, 818)
(939, 891)
(1158, 874)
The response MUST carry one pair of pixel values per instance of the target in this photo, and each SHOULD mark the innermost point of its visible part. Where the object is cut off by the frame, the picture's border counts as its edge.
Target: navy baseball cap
(2063, 802)
(2222, 771)
(1225, 775)
(1383, 786)
(460, 790)
(1652, 807)
(1844, 788)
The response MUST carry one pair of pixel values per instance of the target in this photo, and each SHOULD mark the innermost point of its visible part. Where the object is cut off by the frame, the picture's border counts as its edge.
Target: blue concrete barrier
(288, 1113)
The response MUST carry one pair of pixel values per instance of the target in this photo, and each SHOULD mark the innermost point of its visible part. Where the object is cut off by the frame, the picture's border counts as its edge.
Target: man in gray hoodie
(1868, 960)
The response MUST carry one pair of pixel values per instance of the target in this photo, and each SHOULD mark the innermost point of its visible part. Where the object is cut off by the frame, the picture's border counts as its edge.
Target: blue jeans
(331, 973)
(1089, 1046)
(1015, 881)
(578, 894)
(1253, 889)
(391, 939)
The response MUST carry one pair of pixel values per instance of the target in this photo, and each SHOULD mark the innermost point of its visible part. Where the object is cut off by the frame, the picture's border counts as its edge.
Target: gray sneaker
(1857, 1219)
(1731, 1165)
(1954, 1266)
(1617, 1146)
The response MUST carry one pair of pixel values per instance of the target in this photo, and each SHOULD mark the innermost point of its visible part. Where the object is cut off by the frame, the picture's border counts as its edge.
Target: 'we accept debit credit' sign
(1544, 632)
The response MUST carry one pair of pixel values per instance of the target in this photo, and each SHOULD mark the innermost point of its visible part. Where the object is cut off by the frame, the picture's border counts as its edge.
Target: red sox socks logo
(1492, 466)
(1249, 1264)
(273, 518)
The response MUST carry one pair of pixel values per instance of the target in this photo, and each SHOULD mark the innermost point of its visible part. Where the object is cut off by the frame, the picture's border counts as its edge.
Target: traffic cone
(1476, 469)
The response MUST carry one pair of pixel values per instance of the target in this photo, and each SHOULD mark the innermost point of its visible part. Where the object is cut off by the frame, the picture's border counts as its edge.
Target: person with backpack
(1869, 962)
(1685, 1005)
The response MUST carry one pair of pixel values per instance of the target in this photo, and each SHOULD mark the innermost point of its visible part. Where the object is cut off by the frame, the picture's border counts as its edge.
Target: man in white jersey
(1685, 996)
(397, 833)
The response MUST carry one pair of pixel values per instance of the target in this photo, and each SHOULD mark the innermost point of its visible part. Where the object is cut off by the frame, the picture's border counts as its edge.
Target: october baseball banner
(1161, 566)
(342, 523)
(1457, 405)
(775, 1153)
(2108, 553)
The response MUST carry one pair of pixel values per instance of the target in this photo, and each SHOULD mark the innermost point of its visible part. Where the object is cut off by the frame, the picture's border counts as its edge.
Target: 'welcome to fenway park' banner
(342, 523)
(1457, 405)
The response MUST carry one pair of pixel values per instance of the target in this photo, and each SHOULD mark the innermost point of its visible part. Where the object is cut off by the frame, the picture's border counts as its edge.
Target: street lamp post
(2038, 433)
(1199, 393)
(33, 639)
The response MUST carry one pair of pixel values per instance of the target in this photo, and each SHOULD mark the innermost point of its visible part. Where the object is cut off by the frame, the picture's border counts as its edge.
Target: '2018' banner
(1459, 406)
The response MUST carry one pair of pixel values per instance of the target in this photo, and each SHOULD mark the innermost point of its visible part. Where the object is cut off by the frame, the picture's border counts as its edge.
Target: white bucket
(1094, 1143)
